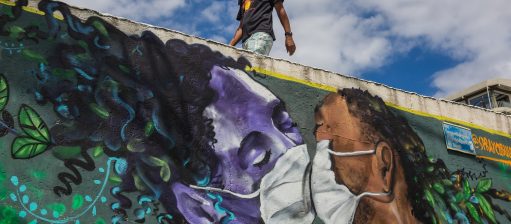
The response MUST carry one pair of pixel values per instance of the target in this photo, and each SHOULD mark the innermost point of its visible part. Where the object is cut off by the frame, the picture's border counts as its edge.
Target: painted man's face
(335, 123)
(252, 130)
(375, 167)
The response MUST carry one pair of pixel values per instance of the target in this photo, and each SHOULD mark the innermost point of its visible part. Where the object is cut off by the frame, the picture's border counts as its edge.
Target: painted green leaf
(432, 159)
(66, 152)
(100, 27)
(439, 201)
(66, 74)
(26, 148)
(100, 221)
(446, 182)
(459, 197)
(4, 92)
(84, 45)
(34, 56)
(114, 179)
(165, 173)
(7, 11)
(3, 194)
(9, 214)
(429, 198)
(473, 212)
(97, 151)
(439, 207)
(135, 145)
(100, 111)
(139, 184)
(439, 188)
(454, 207)
(124, 69)
(164, 170)
(443, 216)
(430, 169)
(149, 129)
(484, 185)
(486, 207)
(3, 175)
(466, 189)
(433, 220)
(31, 34)
(59, 208)
(38, 174)
(153, 161)
(83, 57)
(15, 31)
(32, 124)
(77, 202)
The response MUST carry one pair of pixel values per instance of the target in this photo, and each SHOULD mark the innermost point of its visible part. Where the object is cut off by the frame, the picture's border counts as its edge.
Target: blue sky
(432, 47)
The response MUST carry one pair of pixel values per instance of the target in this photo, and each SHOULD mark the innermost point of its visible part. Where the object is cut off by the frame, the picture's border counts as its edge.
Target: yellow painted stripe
(31, 9)
(415, 112)
(451, 120)
(7, 3)
(507, 162)
(312, 84)
(292, 79)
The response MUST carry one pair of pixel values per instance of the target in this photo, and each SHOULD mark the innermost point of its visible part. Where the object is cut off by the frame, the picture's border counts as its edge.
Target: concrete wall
(104, 120)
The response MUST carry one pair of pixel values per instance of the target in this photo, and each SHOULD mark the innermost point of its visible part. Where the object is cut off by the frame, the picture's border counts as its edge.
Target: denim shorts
(259, 42)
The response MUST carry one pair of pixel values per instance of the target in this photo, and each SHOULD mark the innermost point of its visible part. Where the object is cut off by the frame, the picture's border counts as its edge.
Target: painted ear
(385, 162)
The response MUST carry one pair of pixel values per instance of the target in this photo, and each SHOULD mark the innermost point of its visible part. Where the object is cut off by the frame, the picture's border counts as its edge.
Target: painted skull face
(252, 130)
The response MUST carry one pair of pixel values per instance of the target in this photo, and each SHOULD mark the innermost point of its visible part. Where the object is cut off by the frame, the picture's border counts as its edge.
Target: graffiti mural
(101, 126)
(172, 138)
(361, 159)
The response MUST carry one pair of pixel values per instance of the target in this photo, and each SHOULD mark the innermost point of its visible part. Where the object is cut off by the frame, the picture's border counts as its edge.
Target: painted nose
(322, 132)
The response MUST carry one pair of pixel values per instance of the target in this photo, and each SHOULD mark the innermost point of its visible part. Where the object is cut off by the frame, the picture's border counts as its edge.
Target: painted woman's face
(252, 130)
(251, 126)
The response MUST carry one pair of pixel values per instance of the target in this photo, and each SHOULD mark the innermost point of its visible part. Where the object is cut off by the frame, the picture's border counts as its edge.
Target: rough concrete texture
(409, 100)
(104, 120)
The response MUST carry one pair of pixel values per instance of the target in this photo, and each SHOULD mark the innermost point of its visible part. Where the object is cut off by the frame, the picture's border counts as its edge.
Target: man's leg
(259, 42)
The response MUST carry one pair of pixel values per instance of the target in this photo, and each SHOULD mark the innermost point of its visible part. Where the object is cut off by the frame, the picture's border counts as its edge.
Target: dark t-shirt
(257, 17)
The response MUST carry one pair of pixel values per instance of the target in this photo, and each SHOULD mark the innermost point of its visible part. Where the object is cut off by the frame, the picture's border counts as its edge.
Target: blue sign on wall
(458, 138)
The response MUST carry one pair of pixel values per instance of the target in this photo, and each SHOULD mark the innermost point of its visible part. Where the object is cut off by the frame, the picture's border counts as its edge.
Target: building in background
(493, 94)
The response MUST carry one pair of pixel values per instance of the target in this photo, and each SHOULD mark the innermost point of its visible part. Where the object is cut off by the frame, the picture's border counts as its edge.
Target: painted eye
(255, 150)
(262, 159)
(283, 123)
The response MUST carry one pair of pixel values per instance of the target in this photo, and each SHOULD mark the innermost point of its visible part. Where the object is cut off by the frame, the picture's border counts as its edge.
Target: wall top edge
(317, 75)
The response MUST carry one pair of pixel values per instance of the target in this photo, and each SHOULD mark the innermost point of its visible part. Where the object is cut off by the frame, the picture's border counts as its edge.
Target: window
(502, 99)
(480, 101)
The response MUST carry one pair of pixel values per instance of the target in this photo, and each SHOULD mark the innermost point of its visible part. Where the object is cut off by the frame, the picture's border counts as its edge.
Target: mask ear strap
(356, 153)
(373, 194)
(244, 196)
(358, 197)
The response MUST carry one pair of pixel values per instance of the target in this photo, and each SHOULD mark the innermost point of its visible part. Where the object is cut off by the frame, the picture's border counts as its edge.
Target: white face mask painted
(334, 203)
(284, 192)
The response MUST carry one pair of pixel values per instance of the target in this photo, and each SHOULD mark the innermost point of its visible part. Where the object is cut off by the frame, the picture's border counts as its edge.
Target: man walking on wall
(256, 30)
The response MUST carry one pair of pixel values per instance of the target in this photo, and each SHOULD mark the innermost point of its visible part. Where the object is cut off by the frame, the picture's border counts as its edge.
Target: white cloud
(329, 35)
(133, 9)
(351, 36)
(213, 12)
(477, 32)
(355, 36)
